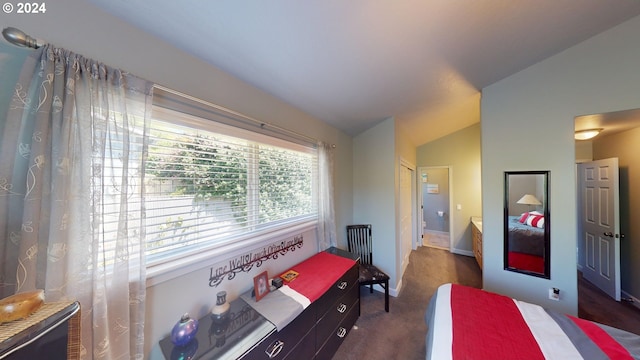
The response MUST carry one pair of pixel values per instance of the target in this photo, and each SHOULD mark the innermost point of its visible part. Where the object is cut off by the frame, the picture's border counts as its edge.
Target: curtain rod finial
(18, 37)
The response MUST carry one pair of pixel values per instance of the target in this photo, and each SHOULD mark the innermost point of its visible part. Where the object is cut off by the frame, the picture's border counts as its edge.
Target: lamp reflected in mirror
(529, 199)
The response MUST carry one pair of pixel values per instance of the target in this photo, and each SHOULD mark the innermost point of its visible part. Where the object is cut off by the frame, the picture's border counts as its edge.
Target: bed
(526, 245)
(473, 324)
(524, 238)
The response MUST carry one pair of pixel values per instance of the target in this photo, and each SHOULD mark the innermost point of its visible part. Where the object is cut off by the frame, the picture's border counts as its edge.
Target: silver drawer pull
(342, 285)
(342, 308)
(274, 349)
(341, 332)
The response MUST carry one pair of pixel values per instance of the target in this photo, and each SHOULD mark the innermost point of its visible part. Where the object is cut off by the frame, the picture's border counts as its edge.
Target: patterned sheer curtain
(326, 212)
(70, 174)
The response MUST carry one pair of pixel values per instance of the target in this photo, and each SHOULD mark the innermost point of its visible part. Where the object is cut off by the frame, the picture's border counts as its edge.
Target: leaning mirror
(526, 222)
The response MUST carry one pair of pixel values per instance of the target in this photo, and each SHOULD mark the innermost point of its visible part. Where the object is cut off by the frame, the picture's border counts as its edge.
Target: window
(208, 184)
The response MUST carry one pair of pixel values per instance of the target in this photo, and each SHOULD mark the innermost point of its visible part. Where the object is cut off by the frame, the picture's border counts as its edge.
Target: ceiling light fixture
(586, 134)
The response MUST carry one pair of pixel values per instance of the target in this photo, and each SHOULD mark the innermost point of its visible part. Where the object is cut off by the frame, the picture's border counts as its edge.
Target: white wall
(404, 146)
(377, 156)
(82, 28)
(584, 151)
(527, 124)
(374, 192)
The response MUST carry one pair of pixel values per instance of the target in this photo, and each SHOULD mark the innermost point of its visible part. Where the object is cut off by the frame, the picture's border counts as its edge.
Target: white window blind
(208, 184)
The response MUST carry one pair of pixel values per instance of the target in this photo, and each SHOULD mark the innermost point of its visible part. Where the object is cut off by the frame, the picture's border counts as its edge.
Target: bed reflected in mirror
(526, 223)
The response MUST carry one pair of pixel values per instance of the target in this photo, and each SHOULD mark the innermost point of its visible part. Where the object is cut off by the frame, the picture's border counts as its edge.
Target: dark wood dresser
(314, 334)
(320, 329)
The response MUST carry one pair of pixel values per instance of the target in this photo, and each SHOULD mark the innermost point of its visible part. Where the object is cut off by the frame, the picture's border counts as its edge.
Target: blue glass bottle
(184, 331)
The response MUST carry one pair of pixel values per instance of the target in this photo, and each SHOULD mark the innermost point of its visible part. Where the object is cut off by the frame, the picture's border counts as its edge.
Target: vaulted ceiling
(355, 63)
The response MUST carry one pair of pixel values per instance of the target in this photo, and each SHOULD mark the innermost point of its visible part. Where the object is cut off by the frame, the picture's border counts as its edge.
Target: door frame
(420, 205)
(400, 245)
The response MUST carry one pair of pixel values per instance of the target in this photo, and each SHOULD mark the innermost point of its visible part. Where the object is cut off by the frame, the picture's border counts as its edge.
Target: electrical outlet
(554, 294)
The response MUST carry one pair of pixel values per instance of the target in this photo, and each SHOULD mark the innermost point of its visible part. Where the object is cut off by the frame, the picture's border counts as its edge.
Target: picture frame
(289, 276)
(261, 285)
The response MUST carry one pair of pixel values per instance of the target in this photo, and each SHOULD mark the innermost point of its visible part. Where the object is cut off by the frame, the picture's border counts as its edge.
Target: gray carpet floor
(400, 333)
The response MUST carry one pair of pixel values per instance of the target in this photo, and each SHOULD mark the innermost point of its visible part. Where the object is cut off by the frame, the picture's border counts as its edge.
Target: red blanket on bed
(491, 326)
(481, 332)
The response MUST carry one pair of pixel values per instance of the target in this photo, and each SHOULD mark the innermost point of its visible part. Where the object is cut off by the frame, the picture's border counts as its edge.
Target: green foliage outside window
(200, 166)
(211, 169)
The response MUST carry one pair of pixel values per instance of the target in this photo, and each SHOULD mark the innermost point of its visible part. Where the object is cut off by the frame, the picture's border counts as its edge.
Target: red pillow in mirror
(536, 221)
(524, 217)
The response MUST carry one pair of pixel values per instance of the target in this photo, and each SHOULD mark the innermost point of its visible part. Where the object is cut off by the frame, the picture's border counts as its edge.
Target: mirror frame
(547, 224)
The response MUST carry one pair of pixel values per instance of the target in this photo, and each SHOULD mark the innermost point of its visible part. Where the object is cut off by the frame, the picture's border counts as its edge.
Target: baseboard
(633, 300)
(437, 232)
(436, 246)
(392, 291)
(462, 252)
(395, 291)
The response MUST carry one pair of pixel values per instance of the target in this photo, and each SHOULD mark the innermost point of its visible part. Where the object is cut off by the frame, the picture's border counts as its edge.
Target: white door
(406, 214)
(600, 224)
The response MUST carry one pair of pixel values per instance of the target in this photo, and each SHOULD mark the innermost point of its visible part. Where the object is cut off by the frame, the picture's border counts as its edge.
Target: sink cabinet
(477, 241)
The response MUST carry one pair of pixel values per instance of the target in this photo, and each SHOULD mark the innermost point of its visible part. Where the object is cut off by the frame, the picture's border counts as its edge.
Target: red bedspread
(318, 273)
(471, 324)
(526, 262)
(481, 332)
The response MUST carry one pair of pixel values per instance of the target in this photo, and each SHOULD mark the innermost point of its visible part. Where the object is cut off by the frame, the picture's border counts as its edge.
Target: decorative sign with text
(246, 262)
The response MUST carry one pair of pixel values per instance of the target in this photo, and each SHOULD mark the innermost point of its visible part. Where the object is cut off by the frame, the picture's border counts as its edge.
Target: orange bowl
(20, 305)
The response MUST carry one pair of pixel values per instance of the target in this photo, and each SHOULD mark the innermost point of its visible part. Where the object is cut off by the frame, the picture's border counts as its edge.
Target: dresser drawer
(337, 337)
(336, 290)
(305, 349)
(282, 342)
(336, 313)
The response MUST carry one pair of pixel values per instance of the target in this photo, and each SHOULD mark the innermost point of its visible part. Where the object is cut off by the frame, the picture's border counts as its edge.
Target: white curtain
(326, 212)
(68, 178)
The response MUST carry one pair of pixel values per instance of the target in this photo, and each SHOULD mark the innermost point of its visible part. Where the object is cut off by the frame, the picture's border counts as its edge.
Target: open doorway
(435, 197)
(618, 136)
